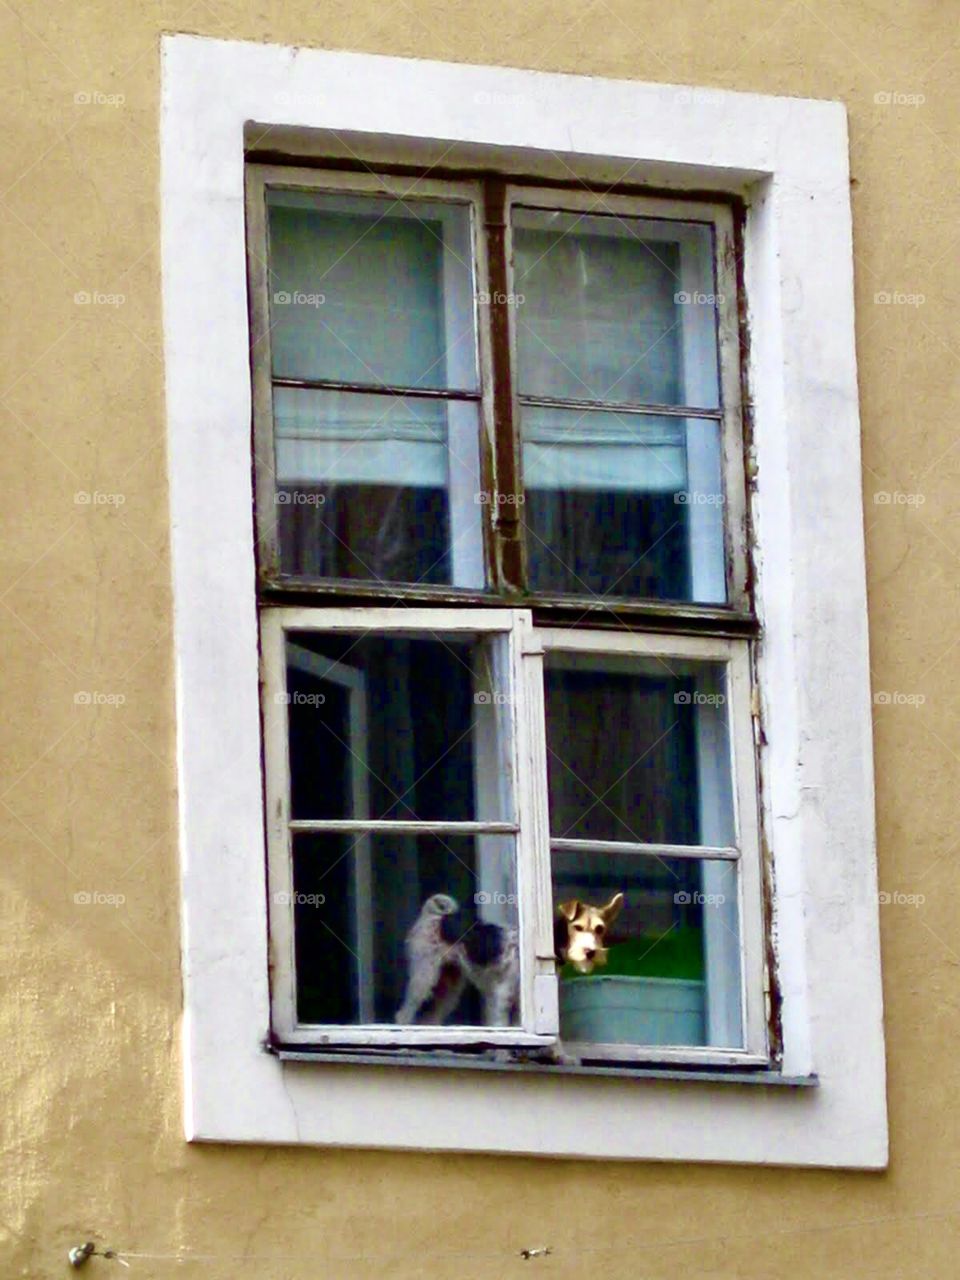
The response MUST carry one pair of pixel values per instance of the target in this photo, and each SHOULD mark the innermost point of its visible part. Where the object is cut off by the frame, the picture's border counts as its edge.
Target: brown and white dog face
(581, 932)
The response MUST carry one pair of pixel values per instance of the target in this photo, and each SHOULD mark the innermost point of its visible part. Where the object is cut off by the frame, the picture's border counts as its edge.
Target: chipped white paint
(790, 156)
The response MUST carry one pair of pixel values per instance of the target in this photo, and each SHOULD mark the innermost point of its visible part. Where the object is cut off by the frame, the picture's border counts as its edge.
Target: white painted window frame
(788, 159)
(752, 978)
(524, 725)
(522, 713)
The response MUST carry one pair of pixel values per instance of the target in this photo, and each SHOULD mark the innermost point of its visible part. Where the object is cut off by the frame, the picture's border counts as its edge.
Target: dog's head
(440, 904)
(582, 930)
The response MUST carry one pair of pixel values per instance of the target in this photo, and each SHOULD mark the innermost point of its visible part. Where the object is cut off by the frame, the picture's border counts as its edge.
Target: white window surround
(789, 158)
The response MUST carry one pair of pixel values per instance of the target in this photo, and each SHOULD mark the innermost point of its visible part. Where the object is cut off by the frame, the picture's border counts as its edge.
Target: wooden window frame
(538, 1017)
(719, 217)
(746, 852)
(259, 179)
(491, 200)
(530, 828)
(339, 604)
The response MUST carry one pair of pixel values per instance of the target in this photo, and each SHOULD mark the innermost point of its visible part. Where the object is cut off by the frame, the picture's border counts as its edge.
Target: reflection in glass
(638, 750)
(371, 289)
(615, 308)
(400, 727)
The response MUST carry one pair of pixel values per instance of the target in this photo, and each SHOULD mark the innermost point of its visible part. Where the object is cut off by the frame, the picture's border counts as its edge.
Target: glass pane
(638, 749)
(420, 930)
(371, 289)
(671, 973)
(615, 308)
(379, 488)
(621, 504)
(399, 727)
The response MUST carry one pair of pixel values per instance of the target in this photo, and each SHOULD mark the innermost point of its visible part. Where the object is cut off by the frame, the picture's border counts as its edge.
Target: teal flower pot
(615, 1009)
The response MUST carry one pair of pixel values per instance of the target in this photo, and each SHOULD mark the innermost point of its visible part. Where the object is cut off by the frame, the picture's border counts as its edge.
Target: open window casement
(652, 794)
(400, 746)
(414, 753)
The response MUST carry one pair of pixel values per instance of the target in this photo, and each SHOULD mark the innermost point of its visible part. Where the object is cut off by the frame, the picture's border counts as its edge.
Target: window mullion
(504, 504)
(540, 992)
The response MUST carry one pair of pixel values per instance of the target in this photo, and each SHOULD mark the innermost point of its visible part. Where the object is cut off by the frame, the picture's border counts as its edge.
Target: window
(374, 465)
(507, 397)
(822, 1101)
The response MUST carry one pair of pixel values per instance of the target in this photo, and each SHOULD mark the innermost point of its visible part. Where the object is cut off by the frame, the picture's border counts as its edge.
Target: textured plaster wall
(90, 1073)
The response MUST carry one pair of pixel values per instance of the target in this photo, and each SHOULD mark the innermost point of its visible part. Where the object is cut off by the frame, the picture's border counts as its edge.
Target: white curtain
(608, 452)
(337, 438)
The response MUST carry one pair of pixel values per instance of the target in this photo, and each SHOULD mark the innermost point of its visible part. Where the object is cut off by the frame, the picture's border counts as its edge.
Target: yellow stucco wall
(90, 1072)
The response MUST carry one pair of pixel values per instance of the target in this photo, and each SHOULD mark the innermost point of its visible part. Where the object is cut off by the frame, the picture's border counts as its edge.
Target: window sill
(457, 1062)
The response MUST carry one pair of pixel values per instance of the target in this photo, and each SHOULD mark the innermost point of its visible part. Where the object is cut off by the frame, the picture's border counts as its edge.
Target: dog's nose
(589, 953)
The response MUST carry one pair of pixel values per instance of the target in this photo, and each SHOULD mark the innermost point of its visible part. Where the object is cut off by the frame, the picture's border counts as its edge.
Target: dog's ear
(612, 909)
(569, 910)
